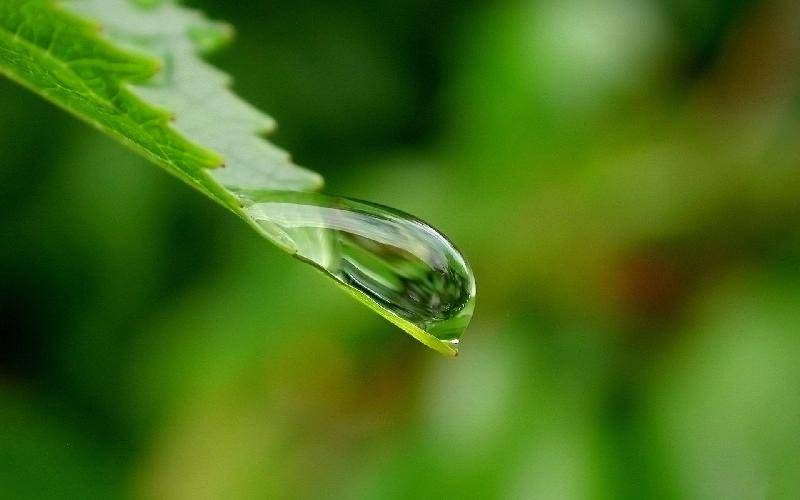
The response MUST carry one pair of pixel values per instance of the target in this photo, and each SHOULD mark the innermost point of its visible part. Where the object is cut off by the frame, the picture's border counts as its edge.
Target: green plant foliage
(623, 176)
(133, 70)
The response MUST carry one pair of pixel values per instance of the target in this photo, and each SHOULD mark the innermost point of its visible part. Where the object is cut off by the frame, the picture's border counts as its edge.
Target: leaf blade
(136, 74)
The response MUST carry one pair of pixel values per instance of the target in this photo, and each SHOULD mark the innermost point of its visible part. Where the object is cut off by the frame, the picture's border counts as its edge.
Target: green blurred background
(622, 175)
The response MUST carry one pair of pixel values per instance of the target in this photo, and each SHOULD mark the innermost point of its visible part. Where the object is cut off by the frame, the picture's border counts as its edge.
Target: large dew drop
(395, 263)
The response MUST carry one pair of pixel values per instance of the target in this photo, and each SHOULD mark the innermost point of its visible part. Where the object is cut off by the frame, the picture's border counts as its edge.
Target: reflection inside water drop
(398, 262)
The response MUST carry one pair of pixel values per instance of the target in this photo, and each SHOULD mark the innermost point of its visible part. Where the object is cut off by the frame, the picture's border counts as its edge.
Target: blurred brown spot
(651, 286)
(760, 65)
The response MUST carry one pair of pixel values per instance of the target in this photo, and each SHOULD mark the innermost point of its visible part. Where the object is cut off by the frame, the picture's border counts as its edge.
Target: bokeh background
(623, 176)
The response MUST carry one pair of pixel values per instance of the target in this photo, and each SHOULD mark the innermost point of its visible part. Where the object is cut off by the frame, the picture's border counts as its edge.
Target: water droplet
(397, 264)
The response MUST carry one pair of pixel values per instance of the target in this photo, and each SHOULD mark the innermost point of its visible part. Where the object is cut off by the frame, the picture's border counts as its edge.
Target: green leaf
(133, 70)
